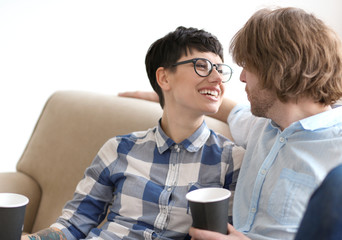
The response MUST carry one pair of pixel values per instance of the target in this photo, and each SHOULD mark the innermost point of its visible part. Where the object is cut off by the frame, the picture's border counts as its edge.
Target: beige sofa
(71, 129)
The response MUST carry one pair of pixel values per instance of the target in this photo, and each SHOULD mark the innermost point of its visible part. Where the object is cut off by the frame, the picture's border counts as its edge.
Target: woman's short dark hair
(167, 50)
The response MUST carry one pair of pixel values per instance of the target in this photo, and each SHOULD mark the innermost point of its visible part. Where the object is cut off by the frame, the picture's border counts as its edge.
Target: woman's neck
(180, 126)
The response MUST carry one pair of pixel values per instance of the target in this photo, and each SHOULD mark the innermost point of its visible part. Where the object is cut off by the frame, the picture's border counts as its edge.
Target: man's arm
(222, 114)
(224, 110)
(150, 96)
(46, 234)
(198, 234)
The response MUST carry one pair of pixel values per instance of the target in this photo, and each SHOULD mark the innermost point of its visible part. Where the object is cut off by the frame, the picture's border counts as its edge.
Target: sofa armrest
(17, 182)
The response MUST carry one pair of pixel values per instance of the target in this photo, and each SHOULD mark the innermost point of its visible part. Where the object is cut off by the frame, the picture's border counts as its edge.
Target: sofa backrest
(71, 129)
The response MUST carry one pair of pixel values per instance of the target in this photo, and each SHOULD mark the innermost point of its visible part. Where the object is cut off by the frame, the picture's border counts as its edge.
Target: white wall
(100, 46)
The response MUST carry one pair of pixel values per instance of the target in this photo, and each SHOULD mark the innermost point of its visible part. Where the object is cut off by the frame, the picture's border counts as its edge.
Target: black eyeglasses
(203, 67)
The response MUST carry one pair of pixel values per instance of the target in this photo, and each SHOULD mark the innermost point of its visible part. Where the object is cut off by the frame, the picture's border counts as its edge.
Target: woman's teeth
(209, 92)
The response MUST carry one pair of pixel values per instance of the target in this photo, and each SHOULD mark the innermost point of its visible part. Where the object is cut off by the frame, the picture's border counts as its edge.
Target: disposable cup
(209, 208)
(12, 213)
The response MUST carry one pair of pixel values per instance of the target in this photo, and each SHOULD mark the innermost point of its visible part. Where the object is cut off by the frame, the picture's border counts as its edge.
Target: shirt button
(253, 210)
(169, 189)
(263, 171)
(281, 139)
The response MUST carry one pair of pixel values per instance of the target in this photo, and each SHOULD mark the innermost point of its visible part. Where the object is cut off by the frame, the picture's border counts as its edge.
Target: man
(292, 68)
(142, 178)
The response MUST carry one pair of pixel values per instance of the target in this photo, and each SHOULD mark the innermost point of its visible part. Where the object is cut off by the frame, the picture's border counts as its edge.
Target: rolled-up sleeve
(240, 121)
(91, 199)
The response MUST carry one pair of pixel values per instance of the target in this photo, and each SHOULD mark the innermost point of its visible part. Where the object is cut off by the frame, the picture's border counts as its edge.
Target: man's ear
(162, 78)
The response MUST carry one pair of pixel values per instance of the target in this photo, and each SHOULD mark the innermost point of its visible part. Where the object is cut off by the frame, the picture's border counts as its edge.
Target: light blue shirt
(281, 169)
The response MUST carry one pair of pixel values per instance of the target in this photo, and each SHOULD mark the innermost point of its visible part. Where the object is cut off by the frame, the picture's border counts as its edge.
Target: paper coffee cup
(12, 213)
(209, 208)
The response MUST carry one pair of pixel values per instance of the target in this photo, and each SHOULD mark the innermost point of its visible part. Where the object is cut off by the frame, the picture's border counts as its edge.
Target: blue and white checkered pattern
(142, 178)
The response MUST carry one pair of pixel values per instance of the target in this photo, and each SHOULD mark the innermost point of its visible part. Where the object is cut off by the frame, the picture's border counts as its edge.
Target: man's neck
(284, 114)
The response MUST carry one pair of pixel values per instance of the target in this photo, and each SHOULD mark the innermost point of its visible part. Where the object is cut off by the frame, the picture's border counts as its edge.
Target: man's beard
(261, 102)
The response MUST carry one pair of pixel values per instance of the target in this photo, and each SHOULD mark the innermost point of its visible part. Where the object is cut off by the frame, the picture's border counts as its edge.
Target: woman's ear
(162, 78)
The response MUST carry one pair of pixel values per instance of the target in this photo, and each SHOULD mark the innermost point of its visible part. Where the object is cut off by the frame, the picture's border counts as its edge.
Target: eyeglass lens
(204, 67)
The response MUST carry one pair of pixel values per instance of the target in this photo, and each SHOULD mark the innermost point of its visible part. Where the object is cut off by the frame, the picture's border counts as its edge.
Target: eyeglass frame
(194, 60)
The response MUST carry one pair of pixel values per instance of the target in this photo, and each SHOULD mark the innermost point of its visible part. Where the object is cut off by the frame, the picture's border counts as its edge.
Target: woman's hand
(48, 233)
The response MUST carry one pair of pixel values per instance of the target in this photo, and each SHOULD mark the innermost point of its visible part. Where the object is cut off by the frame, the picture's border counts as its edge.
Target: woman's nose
(215, 76)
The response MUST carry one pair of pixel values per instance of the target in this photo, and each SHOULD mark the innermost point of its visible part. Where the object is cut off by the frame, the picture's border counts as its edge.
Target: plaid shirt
(142, 178)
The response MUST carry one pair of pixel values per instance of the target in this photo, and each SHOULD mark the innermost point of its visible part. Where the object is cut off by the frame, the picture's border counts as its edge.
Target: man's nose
(243, 76)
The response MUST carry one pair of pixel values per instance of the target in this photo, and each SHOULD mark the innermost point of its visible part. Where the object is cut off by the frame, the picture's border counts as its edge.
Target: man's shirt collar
(319, 121)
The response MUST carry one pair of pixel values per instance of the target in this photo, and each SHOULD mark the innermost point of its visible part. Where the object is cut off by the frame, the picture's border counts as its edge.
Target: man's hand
(150, 96)
(198, 234)
(222, 115)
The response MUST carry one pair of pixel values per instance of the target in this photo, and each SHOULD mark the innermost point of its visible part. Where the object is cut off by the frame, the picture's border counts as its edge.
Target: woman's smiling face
(193, 92)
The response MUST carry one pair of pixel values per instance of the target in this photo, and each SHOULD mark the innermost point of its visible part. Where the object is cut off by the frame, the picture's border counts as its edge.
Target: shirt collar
(319, 121)
(191, 144)
(322, 120)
